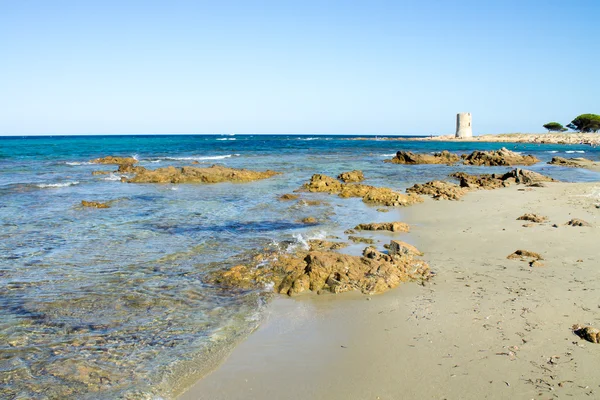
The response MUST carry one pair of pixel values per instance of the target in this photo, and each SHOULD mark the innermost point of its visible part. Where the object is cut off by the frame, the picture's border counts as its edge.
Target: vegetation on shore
(584, 123)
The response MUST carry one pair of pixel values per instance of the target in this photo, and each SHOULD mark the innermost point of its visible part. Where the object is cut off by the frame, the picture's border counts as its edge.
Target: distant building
(463, 125)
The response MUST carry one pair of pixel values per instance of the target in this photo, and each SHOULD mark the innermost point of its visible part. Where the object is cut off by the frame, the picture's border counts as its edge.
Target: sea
(115, 303)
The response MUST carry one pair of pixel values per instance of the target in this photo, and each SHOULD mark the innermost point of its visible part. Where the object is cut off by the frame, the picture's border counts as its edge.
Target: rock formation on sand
(369, 194)
(329, 271)
(115, 160)
(352, 176)
(439, 190)
(578, 222)
(528, 256)
(578, 162)
(494, 181)
(587, 332)
(384, 226)
(358, 239)
(532, 218)
(212, 174)
(408, 157)
(399, 247)
(498, 158)
(94, 204)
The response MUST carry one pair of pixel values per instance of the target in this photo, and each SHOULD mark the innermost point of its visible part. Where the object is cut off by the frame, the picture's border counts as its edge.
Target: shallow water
(112, 303)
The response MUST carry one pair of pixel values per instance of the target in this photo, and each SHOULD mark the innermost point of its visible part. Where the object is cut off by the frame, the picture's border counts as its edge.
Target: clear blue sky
(386, 67)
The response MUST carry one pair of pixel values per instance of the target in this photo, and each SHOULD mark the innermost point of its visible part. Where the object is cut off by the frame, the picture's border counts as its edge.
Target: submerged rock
(352, 176)
(439, 190)
(325, 245)
(212, 174)
(94, 204)
(532, 218)
(309, 220)
(114, 160)
(587, 332)
(408, 157)
(288, 196)
(370, 194)
(384, 226)
(498, 158)
(358, 239)
(577, 162)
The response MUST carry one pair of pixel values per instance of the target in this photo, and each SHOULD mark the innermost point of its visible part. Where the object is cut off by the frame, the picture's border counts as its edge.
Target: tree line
(583, 123)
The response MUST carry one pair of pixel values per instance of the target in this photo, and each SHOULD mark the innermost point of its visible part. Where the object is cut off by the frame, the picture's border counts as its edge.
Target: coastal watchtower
(463, 125)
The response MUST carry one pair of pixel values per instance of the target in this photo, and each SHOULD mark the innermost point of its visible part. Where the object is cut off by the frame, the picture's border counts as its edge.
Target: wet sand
(484, 327)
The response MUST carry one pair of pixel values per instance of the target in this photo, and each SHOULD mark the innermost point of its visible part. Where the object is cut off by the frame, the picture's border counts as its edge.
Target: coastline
(485, 325)
(592, 139)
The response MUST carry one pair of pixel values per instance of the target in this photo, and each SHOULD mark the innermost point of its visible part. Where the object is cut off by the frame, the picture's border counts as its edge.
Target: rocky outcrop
(94, 204)
(408, 157)
(578, 162)
(115, 160)
(309, 220)
(352, 176)
(527, 256)
(130, 169)
(587, 333)
(439, 190)
(578, 222)
(212, 174)
(494, 181)
(369, 194)
(384, 226)
(358, 239)
(325, 245)
(498, 158)
(533, 218)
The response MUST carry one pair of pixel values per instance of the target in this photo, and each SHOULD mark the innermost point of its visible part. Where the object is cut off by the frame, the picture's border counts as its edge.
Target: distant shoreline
(592, 139)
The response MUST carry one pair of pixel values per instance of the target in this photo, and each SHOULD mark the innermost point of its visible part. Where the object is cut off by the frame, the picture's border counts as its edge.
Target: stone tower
(463, 125)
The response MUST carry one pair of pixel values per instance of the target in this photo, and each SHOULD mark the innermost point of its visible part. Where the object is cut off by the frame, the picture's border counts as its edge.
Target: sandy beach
(484, 327)
(546, 138)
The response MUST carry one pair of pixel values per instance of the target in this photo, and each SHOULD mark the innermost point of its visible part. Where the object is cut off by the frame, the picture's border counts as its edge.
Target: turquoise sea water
(112, 303)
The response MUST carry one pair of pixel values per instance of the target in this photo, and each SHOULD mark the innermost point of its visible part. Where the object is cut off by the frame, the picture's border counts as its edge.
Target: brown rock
(536, 263)
(94, 204)
(101, 172)
(114, 160)
(494, 181)
(352, 176)
(288, 196)
(525, 255)
(387, 197)
(533, 218)
(309, 220)
(384, 226)
(578, 222)
(324, 245)
(323, 183)
(587, 332)
(130, 169)
(403, 248)
(439, 190)
(213, 174)
(498, 158)
(407, 157)
(578, 162)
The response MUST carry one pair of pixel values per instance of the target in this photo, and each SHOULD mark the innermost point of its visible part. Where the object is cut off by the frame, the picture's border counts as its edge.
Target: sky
(339, 67)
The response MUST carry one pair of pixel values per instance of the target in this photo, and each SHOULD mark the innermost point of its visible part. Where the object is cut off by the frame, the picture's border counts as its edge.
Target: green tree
(585, 123)
(554, 127)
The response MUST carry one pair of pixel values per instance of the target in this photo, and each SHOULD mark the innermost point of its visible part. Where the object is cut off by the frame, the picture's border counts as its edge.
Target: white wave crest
(575, 151)
(57, 185)
(199, 158)
(226, 139)
(78, 163)
(387, 155)
(552, 151)
(112, 177)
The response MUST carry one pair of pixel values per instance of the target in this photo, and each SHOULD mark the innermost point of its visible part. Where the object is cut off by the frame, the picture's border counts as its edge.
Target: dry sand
(484, 327)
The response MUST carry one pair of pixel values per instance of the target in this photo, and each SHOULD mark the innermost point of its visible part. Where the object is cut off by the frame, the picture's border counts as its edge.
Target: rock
(323, 183)
(532, 218)
(101, 172)
(536, 263)
(403, 248)
(578, 162)
(525, 255)
(311, 202)
(352, 176)
(495, 181)
(370, 194)
(384, 226)
(115, 160)
(587, 332)
(195, 162)
(309, 220)
(94, 204)
(358, 239)
(288, 196)
(324, 245)
(212, 174)
(578, 222)
(130, 169)
(498, 158)
(387, 209)
(439, 190)
(407, 157)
